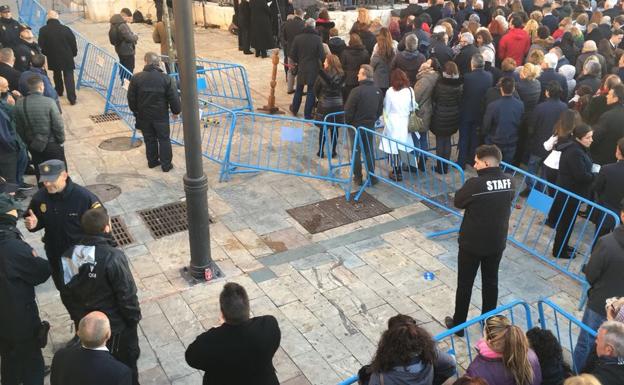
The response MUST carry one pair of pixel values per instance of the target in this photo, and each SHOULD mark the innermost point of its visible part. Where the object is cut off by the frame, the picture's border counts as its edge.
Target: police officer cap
(5, 9)
(50, 170)
(6, 203)
(6, 187)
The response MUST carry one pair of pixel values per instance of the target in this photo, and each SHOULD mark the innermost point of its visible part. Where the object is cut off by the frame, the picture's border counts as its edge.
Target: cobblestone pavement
(332, 292)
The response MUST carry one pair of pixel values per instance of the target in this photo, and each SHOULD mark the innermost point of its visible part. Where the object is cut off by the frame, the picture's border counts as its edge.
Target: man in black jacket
(151, 95)
(609, 128)
(121, 36)
(9, 28)
(58, 43)
(20, 271)
(96, 277)
(25, 49)
(463, 59)
(292, 28)
(362, 109)
(609, 189)
(609, 368)
(7, 60)
(91, 362)
(240, 350)
(483, 232)
(604, 275)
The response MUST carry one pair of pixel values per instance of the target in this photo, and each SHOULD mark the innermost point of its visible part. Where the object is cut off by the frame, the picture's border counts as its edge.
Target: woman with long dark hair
(328, 90)
(380, 61)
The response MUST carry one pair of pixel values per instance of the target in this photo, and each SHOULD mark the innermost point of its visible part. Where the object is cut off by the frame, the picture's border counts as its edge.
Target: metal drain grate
(103, 118)
(121, 235)
(165, 220)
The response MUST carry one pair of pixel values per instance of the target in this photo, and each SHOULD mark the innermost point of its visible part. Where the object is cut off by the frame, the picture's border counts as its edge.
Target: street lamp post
(195, 182)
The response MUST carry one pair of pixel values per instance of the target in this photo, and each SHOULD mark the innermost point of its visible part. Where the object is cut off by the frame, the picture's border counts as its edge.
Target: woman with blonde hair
(531, 28)
(504, 356)
(363, 20)
(583, 379)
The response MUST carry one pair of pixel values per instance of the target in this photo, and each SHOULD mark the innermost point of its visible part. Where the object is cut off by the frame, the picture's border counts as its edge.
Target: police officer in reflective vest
(57, 208)
(483, 232)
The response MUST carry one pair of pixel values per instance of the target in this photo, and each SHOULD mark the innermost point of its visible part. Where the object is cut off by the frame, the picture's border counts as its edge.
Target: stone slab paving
(331, 292)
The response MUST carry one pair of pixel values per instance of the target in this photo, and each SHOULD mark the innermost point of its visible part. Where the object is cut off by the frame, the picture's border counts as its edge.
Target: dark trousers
(52, 151)
(368, 142)
(508, 151)
(443, 150)
(8, 166)
(310, 99)
(565, 211)
(157, 142)
(22, 364)
(128, 62)
(467, 265)
(468, 141)
(124, 347)
(65, 78)
(243, 39)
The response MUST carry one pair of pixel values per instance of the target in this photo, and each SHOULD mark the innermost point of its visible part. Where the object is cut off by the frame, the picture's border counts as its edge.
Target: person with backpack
(121, 36)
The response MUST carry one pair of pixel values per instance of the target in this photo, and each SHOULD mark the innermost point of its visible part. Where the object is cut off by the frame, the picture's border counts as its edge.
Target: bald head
(7, 56)
(94, 330)
(52, 14)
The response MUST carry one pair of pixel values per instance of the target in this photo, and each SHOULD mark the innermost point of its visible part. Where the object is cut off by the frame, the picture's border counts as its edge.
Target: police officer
(96, 277)
(483, 232)
(9, 28)
(21, 330)
(57, 208)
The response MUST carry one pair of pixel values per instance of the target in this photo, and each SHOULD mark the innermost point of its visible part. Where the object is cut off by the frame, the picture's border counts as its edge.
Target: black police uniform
(9, 32)
(20, 272)
(59, 215)
(96, 277)
(482, 236)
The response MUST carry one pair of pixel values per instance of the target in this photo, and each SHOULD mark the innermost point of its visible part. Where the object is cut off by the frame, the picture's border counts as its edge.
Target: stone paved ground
(332, 292)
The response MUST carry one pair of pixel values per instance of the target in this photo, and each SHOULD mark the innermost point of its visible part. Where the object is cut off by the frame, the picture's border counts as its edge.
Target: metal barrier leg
(82, 66)
(109, 92)
(443, 232)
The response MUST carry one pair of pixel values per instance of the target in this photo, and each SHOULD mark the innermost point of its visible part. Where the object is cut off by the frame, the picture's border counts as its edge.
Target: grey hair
(368, 71)
(592, 67)
(468, 37)
(411, 42)
(152, 58)
(614, 336)
(6, 55)
(477, 61)
(310, 22)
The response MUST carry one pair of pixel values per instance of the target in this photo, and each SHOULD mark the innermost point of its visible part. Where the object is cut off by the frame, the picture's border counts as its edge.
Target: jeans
(368, 142)
(585, 342)
(157, 143)
(124, 347)
(64, 81)
(468, 141)
(22, 164)
(310, 99)
(22, 363)
(508, 151)
(443, 146)
(564, 209)
(533, 167)
(467, 265)
(423, 144)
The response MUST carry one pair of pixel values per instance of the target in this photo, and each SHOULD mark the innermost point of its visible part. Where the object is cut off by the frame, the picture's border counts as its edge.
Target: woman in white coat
(398, 104)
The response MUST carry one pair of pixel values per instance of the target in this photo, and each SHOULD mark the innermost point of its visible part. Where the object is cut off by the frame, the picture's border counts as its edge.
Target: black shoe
(525, 193)
(441, 169)
(153, 165)
(292, 111)
(248, 52)
(449, 323)
(290, 92)
(72, 102)
(264, 54)
(358, 180)
(167, 168)
(257, 53)
(25, 186)
(320, 155)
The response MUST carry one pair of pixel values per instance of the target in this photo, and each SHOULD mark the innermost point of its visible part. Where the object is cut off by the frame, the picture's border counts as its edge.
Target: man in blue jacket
(502, 120)
(476, 84)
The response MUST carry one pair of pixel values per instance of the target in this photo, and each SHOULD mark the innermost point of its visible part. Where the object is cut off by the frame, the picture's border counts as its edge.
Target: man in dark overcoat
(58, 43)
(261, 31)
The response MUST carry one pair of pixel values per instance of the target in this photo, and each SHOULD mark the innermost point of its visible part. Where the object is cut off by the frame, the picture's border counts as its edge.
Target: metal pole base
(200, 274)
(271, 110)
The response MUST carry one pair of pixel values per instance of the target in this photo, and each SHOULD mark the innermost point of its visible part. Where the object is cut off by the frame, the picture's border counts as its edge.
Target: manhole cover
(106, 192)
(121, 235)
(321, 216)
(103, 118)
(120, 143)
(165, 220)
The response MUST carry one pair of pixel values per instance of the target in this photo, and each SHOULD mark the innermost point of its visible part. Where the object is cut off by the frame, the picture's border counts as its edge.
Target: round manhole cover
(106, 192)
(121, 143)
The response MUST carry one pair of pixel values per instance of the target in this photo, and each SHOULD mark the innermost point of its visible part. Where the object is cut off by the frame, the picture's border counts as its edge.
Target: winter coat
(159, 36)
(529, 92)
(364, 105)
(607, 132)
(544, 117)
(423, 93)
(502, 120)
(486, 199)
(396, 111)
(292, 28)
(38, 121)
(20, 272)
(352, 58)
(368, 39)
(543, 45)
(604, 271)
(587, 80)
(409, 62)
(568, 71)
(328, 92)
(97, 276)
(24, 51)
(48, 89)
(549, 75)
(580, 62)
(609, 371)
(514, 44)
(447, 96)
(575, 168)
(476, 84)
(151, 94)
(464, 57)
(440, 51)
(571, 52)
(596, 107)
(322, 27)
(308, 53)
(418, 373)
(11, 75)
(489, 366)
(58, 43)
(9, 32)
(608, 189)
(121, 36)
(261, 35)
(336, 45)
(381, 66)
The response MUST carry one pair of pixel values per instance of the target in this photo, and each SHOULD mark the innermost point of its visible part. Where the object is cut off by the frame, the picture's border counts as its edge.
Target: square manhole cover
(103, 118)
(165, 220)
(324, 215)
(121, 235)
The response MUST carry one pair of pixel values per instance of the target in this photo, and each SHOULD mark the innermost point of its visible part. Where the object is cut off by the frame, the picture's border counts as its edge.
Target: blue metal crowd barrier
(463, 347)
(552, 314)
(424, 175)
(292, 146)
(33, 14)
(548, 217)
